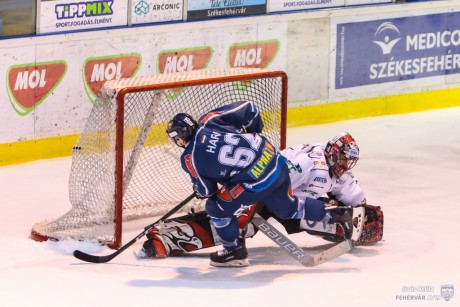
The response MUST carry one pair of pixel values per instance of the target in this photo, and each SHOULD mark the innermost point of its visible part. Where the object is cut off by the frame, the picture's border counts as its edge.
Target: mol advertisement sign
(204, 9)
(150, 11)
(180, 60)
(68, 15)
(258, 54)
(98, 70)
(397, 49)
(187, 59)
(28, 85)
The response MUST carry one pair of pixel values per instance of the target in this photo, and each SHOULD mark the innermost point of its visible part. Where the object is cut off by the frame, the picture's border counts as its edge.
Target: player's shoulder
(314, 154)
(314, 151)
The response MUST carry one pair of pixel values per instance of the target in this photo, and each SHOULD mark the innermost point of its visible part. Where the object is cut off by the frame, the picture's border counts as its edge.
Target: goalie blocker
(195, 231)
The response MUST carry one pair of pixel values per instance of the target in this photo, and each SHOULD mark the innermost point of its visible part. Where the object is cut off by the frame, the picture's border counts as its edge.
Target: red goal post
(123, 165)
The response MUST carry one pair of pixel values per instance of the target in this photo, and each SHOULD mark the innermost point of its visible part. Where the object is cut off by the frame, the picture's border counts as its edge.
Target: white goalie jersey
(311, 178)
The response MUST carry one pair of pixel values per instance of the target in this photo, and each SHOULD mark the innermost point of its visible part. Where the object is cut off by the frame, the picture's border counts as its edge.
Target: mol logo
(97, 71)
(253, 54)
(386, 37)
(82, 9)
(180, 60)
(171, 61)
(29, 84)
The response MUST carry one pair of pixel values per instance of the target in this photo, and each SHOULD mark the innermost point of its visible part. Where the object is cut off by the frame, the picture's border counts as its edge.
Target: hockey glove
(373, 226)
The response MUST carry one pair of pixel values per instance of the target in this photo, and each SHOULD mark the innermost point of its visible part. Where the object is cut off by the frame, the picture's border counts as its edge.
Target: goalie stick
(305, 258)
(103, 259)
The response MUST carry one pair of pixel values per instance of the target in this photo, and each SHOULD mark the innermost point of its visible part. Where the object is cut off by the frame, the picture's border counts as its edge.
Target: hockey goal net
(123, 165)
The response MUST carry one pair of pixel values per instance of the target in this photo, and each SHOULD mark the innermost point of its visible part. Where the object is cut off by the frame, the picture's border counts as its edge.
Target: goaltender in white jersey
(323, 183)
(324, 171)
(311, 176)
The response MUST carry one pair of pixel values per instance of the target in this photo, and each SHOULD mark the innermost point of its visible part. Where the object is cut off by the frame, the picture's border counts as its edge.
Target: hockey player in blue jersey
(234, 166)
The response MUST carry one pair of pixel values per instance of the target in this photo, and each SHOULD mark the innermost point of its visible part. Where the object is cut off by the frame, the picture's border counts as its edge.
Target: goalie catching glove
(371, 232)
(373, 226)
(341, 223)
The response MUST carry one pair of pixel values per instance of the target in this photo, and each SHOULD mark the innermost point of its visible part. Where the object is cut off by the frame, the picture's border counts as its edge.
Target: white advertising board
(292, 5)
(363, 2)
(48, 88)
(151, 11)
(69, 15)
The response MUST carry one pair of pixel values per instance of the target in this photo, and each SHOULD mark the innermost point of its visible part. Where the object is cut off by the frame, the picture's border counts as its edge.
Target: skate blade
(231, 264)
(140, 254)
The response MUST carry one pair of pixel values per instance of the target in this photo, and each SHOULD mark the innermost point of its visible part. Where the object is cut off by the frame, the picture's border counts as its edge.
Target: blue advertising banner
(205, 9)
(398, 49)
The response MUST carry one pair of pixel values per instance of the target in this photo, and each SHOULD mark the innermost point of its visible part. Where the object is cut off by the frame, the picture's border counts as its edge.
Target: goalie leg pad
(185, 234)
(182, 234)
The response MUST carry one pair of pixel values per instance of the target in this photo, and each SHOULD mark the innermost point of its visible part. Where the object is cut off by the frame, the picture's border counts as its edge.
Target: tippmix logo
(30, 84)
(387, 36)
(83, 9)
(98, 70)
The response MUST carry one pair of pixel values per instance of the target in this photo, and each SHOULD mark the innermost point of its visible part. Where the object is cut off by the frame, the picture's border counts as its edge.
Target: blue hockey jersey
(228, 148)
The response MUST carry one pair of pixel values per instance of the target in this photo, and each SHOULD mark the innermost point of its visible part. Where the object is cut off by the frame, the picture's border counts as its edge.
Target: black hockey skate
(225, 258)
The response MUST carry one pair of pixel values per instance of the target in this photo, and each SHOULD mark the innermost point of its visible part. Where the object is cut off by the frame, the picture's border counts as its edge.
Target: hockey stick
(305, 258)
(103, 259)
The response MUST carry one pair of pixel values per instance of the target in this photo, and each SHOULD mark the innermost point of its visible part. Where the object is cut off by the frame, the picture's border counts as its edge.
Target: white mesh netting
(153, 181)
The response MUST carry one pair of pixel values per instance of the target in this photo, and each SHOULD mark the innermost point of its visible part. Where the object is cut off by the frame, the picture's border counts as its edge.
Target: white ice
(410, 166)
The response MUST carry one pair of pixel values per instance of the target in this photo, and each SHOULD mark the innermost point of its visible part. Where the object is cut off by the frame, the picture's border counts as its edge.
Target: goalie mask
(341, 153)
(181, 129)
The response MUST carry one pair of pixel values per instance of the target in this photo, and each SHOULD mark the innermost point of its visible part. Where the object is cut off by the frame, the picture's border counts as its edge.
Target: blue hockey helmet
(181, 129)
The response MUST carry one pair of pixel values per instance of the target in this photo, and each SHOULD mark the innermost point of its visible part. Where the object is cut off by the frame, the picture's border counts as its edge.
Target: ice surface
(410, 165)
